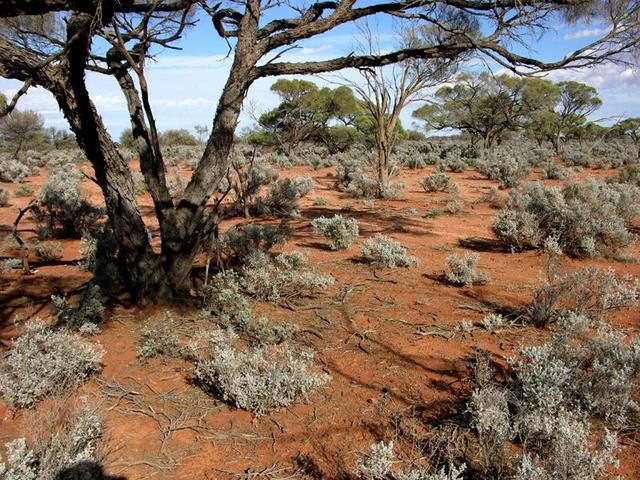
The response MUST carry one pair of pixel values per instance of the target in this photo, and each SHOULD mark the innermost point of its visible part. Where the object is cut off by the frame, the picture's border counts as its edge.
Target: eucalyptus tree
(56, 50)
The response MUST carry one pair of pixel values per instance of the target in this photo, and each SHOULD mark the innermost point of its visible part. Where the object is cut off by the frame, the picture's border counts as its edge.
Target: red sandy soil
(386, 338)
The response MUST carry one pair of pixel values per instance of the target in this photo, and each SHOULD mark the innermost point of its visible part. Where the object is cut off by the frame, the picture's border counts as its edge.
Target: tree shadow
(87, 469)
(480, 244)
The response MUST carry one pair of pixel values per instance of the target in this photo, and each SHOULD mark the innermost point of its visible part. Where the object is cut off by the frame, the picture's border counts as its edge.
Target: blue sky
(185, 85)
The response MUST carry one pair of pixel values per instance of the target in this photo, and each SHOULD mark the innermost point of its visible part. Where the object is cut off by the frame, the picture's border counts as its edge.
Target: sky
(185, 85)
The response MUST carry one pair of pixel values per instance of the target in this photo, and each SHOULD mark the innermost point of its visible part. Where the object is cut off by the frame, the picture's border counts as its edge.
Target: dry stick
(23, 246)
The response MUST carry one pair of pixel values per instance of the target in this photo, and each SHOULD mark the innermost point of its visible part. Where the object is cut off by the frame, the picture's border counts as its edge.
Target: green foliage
(21, 129)
(182, 136)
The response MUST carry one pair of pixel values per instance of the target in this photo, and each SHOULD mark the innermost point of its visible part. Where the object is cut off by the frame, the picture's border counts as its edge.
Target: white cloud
(585, 33)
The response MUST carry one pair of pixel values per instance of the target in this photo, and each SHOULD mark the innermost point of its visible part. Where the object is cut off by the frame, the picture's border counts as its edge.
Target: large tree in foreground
(56, 55)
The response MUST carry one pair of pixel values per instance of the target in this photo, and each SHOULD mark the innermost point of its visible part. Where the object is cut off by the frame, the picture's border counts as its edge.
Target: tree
(202, 131)
(386, 91)
(487, 107)
(305, 113)
(630, 128)
(577, 102)
(21, 128)
(58, 59)
(60, 139)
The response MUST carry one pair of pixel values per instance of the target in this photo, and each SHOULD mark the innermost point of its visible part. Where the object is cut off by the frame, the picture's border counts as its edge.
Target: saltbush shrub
(44, 361)
(88, 311)
(462, 271)
(23, 191)
(340, 233)
(384, 252)
(65, 450)
(285, 277)
(588, 219)
(438, 182)
(62, 211)
(240, 241)
(100, 255)
(591, 292)
(504, 167)
(256, 379)
(4, 197)
(14, 171)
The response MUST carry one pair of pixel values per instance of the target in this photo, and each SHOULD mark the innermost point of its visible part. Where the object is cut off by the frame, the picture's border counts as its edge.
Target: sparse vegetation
(462, 271)
(340, 233)
(44, 361)
(383, 252)
(257, 379)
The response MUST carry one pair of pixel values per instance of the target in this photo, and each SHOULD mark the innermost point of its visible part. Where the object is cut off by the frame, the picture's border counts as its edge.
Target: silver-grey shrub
(44, 361)
(504, 167)
(240, 241)
(12, 170)
(591, 291)
(89, 310)
(284, 277)
(64, 452)
(384, 252)
(256, 379)
(4, 197)
(340, 233)
(438, 182)
(462, 271)
(588, 219)
(224, 298)
(63, 211)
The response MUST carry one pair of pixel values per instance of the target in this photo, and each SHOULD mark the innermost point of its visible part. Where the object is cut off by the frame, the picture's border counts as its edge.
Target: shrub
(13, 171)
(44, 361)
(553, 171)
(630, 175)
(462, 271)
(340, 233)
(4, 197)
(318, 201)
(384, 252)
(159, 338)
(284, 277)
(590, 291)
(588, 219)
(62, 209)
(377, 463)
(223, 298)
(547, 404)
(282, 198)
(256, 379)
(100, 252)
(504, 168)
(64, 450)
(493, 321)
(47, 252)
(243, 240)
(9, 264)
(438, 182)
(23, 191)
(89, 310)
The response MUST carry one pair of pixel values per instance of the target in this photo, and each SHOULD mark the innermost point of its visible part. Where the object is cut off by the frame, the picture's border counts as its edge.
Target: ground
(387, 338)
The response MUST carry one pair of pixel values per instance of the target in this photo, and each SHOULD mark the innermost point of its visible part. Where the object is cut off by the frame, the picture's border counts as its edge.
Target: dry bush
(384, 252)
(44, 361)
(340, 233)
(256, 379)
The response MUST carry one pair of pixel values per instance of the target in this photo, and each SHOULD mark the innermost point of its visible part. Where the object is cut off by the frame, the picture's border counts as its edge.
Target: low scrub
(338, 232)
(384, 252)
(4, 197)
(591, 292)
(63, 212)
(462, 271)
(438, 182)
(587, 219)
(65, 448)
(87, 315)
(256, 379)
(44, 361)
(285, 277)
